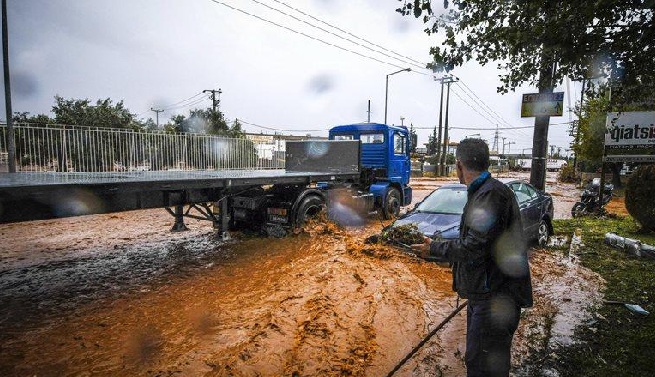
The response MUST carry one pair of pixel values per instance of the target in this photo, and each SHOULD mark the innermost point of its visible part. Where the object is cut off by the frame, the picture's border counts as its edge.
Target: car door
(528, 201)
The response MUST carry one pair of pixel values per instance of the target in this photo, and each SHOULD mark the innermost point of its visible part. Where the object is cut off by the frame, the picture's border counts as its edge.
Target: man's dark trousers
(491, 323)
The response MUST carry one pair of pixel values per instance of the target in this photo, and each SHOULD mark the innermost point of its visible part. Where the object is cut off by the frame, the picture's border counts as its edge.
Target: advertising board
(630, 137)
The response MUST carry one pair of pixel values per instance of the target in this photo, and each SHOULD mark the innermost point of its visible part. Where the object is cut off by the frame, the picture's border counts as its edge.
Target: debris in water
(632, 307)
(631, 245)
(403, 235)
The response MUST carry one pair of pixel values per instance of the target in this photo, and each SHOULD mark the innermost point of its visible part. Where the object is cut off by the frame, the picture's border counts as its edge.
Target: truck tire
(391, 205)
(308, 208)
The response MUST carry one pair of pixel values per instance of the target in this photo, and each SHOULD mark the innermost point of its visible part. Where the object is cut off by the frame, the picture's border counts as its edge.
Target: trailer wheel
(391, 207)
(308, 208)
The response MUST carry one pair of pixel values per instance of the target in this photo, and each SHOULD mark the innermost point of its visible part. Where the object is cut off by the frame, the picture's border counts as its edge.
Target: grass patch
(617, 342)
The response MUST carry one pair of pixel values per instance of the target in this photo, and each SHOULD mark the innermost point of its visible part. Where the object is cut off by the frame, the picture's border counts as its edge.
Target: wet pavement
(121, 295)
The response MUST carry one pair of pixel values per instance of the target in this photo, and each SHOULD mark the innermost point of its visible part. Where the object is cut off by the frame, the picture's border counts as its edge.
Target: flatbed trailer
(36, 196)
(316, 174)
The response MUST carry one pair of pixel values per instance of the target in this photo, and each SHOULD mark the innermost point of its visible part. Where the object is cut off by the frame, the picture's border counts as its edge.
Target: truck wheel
(308, 208)
(391, 206)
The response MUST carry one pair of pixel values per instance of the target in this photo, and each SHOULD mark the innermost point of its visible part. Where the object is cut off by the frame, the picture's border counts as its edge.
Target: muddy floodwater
(110, 295)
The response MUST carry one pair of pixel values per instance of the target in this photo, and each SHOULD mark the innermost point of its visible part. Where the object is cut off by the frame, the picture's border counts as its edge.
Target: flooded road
(119, 294)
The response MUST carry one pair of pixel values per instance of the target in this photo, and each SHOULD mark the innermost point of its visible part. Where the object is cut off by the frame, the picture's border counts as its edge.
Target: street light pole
(386, 91)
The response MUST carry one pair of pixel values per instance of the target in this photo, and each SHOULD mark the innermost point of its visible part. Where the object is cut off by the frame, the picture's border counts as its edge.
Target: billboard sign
(630, 129)
(630, 137)
(542, 104)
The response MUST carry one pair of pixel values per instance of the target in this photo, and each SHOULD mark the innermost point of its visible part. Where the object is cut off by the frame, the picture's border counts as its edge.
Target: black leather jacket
(490, 255)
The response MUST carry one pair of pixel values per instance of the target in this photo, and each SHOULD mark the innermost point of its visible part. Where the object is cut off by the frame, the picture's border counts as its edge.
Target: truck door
(399, 164)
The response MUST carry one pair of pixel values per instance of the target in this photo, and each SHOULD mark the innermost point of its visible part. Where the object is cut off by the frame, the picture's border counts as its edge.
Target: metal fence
(63, 148)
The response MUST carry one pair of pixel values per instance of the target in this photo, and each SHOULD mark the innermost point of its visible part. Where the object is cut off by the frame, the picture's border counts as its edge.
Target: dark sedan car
(441, 211)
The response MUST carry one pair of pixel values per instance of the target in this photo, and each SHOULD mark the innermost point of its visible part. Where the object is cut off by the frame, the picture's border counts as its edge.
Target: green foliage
(616, 342)
(591, 130)
(640, 196)
(35, 120)
(582, 38)
(103, 114)
(407, 234)
(205, 121)
(567, 174)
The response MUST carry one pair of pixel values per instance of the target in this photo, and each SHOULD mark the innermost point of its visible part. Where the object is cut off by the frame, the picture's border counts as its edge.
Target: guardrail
(64, 148)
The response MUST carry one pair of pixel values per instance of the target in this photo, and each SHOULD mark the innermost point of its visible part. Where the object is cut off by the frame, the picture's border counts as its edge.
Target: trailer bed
(33, 196)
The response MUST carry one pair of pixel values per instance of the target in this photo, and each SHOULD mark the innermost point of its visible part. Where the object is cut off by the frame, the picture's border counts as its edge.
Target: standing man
(489, 262)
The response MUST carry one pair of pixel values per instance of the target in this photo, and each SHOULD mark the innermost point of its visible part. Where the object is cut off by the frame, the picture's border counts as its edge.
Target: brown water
(118, 294)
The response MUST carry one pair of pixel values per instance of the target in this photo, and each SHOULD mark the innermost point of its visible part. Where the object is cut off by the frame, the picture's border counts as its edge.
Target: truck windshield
(343, 137)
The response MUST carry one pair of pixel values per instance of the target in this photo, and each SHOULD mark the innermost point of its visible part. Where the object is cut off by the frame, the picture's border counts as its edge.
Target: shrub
(640, 196)
(567, 174)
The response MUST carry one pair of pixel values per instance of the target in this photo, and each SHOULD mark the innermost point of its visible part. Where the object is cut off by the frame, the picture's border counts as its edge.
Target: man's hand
(422, 249)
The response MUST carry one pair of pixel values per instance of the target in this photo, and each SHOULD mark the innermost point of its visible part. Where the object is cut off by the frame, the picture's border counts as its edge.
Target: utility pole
(503, 144)
(157, 111)
(11, 143)
(442, 147)
(215, 102)
(444, 152)
(437, 138)
(495, 146)
(508, 143)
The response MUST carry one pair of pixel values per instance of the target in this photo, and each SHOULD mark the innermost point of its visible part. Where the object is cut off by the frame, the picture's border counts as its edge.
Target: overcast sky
(164, 53)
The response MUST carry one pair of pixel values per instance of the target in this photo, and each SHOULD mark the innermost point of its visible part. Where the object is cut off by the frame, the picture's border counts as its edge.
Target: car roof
(504, 180)
(453, 186)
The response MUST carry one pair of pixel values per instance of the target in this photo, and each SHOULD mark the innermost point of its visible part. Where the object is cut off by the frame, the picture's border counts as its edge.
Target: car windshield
(444, 200)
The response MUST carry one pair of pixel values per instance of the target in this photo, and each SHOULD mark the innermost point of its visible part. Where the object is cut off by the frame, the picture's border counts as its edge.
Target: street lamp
(386, 91)
(472, 136)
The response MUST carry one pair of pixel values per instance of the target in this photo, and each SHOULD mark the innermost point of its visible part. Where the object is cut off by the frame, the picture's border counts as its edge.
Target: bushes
(640, 196)
(567, 174)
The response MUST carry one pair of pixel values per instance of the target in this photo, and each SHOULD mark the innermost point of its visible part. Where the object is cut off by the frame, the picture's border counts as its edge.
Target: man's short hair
(473, 154)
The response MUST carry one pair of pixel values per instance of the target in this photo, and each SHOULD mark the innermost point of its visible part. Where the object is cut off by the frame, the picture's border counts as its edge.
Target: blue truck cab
(385, 160)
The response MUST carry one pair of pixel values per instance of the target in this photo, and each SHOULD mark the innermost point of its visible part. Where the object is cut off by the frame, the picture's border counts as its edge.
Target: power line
(491, 111)
(309, 36)
(476, 128)
(182, 101)
(495, 121)
(271, 128)
(404, 59)
(473, 108)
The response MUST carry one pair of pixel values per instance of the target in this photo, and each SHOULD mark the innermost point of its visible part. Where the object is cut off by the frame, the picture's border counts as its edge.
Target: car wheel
(578, 209)
(542, 233)
(308, 208)
(391, 207)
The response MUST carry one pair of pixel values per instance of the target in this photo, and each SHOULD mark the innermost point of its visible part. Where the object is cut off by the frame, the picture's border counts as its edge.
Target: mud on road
(120, 295)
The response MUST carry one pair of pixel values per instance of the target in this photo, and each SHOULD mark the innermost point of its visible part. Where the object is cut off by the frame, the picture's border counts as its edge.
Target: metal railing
(63, 148)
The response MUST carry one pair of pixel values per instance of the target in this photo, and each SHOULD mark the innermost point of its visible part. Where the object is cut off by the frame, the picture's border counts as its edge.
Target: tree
(103, 114)
(591, 131)
(542, 42)
(639, 193)
(26, 118)
(581, 37)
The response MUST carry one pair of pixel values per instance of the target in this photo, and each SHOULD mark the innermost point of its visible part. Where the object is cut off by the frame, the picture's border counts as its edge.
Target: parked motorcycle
(589, 202)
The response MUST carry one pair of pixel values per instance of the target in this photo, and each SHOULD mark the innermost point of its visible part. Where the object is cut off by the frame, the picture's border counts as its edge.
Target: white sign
(630, 129)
